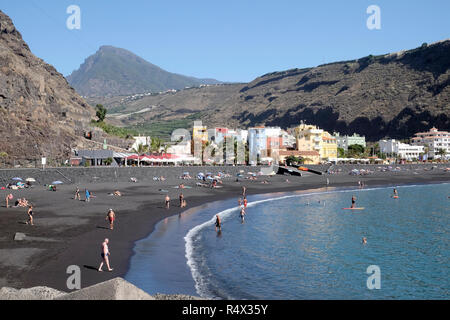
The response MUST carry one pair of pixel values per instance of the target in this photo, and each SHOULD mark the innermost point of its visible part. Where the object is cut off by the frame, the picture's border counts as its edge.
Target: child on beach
(88, 194)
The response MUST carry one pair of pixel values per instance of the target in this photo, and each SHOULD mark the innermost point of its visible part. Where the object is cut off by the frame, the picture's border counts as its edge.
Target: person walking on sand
(244, 190)
(111, 216)
(181, 200)
(105, 256)
(8, 198)
(87, 194)
(77, 194)
(218, 223)
(167, 200)
(30, 215)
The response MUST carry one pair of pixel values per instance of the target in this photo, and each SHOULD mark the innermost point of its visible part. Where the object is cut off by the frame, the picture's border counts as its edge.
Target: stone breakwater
(74, 175)
(114, 289)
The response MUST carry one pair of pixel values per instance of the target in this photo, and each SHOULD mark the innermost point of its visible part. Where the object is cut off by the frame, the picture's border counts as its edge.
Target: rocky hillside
(393, 95)
(116, 71)
(40, 113)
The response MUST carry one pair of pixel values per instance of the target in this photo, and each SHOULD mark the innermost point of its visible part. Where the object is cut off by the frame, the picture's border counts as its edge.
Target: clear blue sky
(233, 40)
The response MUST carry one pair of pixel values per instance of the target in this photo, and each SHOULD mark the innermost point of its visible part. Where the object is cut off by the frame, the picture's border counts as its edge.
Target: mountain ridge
(391, 95)
(116, 71)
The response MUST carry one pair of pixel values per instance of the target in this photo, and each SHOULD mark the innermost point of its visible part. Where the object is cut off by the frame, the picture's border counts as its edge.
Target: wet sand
(70, 232)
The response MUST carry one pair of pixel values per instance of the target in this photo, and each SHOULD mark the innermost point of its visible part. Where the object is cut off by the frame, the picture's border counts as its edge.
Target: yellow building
(329, 146)
(312, 138)
(199, 132)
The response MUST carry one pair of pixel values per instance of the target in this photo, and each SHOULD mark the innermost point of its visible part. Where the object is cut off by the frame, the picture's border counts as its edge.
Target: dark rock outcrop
(40, 114)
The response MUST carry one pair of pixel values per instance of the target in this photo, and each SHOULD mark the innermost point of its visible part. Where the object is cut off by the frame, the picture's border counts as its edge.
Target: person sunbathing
(117, 193)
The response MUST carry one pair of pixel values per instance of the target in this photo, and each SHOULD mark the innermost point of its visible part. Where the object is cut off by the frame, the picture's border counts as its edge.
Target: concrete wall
(71, 175)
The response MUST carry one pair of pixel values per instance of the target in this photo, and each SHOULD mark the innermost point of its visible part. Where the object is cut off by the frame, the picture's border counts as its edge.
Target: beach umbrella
(16, 179)
(30, 179)
(57, 182)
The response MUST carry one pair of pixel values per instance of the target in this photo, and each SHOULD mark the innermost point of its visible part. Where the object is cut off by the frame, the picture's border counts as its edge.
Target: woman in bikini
(30, 215)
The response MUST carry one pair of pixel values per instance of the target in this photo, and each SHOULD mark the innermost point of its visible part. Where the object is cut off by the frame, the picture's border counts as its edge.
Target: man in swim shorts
(105, 256)
(111, 216)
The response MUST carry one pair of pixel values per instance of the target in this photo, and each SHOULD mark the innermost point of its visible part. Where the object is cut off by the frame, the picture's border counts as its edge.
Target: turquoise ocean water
(304, 246)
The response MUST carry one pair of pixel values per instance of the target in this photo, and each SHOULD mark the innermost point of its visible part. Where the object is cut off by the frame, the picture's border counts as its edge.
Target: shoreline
(137, 219)
(219, 206)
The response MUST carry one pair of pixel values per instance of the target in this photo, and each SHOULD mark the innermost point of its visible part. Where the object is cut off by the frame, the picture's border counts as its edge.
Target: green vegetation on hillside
(124, 133)
(164, 129)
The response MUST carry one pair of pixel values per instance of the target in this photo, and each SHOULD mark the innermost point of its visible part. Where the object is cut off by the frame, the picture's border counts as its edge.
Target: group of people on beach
(183, 203)
(87, 195)
(242, 203)
(21, 202)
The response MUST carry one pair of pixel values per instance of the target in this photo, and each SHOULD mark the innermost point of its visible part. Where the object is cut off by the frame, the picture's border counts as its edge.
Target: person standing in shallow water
(105, 256)
(218, 223)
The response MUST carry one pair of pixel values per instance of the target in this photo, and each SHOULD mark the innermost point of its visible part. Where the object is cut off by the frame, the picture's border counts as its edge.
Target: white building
(434, 140)
(260, 140)
(181, 148)
(144, 141)
(402, 150)
(345, 141)
(288, 140)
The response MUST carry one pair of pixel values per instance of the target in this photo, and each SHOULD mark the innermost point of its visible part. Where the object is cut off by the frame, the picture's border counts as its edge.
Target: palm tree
(155, 144)
(441, 152)
(141, 148)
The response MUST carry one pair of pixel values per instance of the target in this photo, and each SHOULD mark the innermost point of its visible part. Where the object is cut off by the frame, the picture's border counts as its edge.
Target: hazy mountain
(392, 95)
(115, 71)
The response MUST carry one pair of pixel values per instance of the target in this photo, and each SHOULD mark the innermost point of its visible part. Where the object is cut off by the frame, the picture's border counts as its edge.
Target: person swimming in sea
(353, 201)
(395, 193)
(364, 240)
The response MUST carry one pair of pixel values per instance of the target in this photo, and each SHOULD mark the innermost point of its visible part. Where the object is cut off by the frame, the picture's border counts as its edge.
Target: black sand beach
(70, 232)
